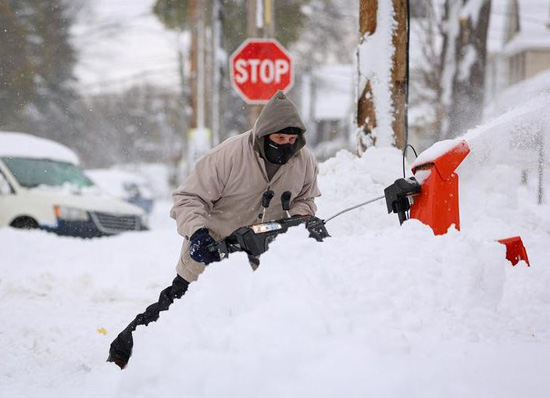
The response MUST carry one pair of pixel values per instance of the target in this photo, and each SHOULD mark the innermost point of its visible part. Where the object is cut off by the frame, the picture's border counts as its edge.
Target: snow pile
(28, 146)
(386, 318)
(376, 310)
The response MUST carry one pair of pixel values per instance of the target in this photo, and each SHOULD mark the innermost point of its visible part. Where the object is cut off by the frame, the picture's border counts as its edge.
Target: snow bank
(376, 310)
(29, 146)
(387, 318)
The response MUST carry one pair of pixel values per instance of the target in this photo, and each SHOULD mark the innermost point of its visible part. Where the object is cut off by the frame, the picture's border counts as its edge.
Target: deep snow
(377, 310)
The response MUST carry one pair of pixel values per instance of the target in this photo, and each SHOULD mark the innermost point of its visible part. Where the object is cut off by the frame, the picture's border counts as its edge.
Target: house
(518, 43)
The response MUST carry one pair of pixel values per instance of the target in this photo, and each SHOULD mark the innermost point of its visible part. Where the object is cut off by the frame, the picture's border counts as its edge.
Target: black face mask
(277, 153)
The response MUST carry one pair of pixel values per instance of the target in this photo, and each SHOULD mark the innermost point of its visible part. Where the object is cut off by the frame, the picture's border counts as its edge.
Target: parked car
(42, 186)
(125, 185)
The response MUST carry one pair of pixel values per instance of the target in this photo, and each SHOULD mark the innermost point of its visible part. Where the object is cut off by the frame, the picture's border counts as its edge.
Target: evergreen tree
(37, 62)
(289, 19)
(17, 87)
(54, 59)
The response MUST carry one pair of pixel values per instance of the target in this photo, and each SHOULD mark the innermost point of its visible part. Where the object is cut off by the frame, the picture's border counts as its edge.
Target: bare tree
(463, 57)
(425, 92)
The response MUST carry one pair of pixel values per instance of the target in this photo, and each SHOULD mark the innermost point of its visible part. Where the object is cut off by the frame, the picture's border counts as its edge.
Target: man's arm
(194, 199)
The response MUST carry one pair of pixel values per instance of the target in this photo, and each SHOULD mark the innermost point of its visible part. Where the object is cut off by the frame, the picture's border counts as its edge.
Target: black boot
(121, 348)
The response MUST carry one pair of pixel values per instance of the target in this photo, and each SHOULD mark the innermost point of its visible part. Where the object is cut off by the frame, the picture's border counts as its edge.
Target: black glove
(316, 228)
(199, 250)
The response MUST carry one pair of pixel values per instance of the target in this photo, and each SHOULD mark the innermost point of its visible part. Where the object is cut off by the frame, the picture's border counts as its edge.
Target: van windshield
(31, 173)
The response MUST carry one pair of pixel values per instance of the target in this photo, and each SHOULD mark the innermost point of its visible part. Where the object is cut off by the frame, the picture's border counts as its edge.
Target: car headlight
(70, 214)
(145, 221)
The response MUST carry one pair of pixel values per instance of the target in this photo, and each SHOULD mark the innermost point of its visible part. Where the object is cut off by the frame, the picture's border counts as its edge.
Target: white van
(42, 186)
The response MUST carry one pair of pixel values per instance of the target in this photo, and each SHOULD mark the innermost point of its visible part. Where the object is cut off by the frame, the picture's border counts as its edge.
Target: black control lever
(285, 200)
(266, 200)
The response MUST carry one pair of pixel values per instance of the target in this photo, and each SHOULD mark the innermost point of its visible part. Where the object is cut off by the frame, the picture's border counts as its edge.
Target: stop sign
(260, 67)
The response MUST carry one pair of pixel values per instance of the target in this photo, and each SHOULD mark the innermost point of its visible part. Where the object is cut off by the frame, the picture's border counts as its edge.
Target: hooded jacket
(224, 191)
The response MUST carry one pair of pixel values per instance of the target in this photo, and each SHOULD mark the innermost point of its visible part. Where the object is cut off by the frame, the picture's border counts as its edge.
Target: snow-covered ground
(378, 310)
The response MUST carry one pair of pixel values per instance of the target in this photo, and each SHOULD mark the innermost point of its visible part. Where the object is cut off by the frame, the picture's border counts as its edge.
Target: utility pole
(541, 156)
(400, 73)
(199, 140)
(193, 64)
(260, 24)
(366, 114)
(368, 117)
(184, 97)
(216, 78)
(200, 66)
(197, 74)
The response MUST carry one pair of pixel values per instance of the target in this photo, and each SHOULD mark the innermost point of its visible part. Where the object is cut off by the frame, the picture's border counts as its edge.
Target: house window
(517, 68)
(521, 66)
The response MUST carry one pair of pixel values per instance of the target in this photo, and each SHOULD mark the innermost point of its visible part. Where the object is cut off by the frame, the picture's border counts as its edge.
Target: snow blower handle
(266, 200)
(399, 196)
(255, 239)
(285, 201)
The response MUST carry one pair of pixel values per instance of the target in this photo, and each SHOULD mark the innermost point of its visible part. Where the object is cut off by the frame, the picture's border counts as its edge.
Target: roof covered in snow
(534, 27)
(534, 20)
(29, 146)
(497, 26)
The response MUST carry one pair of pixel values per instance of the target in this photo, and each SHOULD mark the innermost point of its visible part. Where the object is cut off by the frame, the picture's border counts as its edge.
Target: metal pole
(254, 31)
(216, 78)
(541, 167)
(183, 116)
(200, 67)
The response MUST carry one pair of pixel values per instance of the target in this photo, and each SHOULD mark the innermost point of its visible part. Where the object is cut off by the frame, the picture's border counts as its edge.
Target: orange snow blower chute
(431, 196)
(515, 250)
(437, 205)
(436, 201)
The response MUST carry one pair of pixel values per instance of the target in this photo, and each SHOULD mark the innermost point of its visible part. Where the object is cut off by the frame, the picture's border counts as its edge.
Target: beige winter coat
(224, 191)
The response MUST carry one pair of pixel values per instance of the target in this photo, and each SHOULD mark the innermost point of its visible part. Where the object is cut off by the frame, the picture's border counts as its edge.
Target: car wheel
(24, 223)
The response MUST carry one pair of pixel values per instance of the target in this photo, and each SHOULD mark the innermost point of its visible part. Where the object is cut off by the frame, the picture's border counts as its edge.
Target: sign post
(259, 68)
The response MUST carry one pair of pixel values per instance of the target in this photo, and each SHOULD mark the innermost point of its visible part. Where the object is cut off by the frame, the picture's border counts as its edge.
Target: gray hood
(278, 114)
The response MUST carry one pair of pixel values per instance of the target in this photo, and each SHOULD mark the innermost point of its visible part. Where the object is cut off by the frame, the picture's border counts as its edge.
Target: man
(224, 192)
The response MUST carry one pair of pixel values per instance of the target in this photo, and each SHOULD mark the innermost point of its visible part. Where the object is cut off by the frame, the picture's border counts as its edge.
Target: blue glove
(198, 248)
